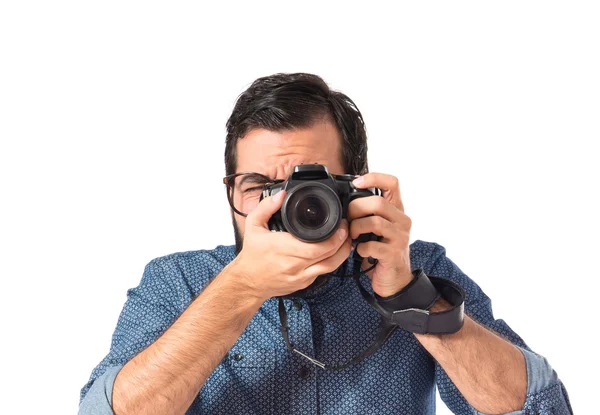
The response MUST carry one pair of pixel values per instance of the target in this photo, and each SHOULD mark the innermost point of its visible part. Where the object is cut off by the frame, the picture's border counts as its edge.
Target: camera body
(315, 203)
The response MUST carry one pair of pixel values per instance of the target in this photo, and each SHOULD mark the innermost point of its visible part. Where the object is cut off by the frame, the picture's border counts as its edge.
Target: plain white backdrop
(112, 126)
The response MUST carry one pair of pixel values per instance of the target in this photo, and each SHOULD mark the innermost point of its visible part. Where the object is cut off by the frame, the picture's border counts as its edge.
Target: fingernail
(358, 181)
(277, 197)
(341, 233)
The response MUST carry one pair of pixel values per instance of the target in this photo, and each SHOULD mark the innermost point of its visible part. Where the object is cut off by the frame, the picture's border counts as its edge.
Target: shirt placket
(302, 373)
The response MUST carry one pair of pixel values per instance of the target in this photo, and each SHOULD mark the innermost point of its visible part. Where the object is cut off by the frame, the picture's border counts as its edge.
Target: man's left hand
(392, 272)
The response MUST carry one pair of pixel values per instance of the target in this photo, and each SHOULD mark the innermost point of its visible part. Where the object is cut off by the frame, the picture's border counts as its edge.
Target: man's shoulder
(424, 253)
(221, 254)
(196, 268)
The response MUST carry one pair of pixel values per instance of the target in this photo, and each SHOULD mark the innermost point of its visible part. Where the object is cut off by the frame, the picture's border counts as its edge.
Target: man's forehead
(281, 169)
(275, 154)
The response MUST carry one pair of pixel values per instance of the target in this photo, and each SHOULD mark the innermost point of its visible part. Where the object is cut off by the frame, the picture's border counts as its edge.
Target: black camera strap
(416, 320)
(423, 321)
(385, 331)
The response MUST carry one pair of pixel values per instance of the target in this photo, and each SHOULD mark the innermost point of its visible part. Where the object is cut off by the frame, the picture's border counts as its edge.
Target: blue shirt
(260, 375)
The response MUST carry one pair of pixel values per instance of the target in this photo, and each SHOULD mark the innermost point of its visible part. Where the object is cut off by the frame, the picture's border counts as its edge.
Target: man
(201, 333)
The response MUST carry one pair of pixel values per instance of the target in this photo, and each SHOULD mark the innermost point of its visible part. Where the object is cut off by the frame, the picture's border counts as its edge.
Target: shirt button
(297, 305)
(238, 357)
(304, 372)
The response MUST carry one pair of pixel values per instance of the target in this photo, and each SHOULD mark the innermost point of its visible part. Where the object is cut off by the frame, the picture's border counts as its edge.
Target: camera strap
(416, 320)
(385, 330)
(423, 321)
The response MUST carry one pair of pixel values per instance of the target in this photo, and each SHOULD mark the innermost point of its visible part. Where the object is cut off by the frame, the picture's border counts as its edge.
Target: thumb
(265, 209)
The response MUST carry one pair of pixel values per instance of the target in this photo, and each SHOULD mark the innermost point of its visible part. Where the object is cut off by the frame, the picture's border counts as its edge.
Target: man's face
(275, 154)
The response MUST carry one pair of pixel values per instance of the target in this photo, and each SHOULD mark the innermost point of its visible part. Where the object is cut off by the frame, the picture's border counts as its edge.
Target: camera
(315, 203)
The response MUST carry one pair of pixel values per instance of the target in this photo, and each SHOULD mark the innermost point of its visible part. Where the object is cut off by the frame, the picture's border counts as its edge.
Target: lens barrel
(311, 211)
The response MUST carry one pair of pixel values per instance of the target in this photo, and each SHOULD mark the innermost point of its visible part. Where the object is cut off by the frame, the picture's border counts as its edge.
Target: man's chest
(260, 375)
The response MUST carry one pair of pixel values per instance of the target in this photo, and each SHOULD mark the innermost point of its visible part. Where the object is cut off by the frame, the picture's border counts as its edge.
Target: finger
(373, 205)
(380, 180)
(375, 249)
(330, 263)
(289, 245)
(266, 208)
(375, 224)
(387, 183)
(320, 250)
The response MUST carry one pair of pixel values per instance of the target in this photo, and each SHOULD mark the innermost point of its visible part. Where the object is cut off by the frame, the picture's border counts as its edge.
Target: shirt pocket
(244, 383)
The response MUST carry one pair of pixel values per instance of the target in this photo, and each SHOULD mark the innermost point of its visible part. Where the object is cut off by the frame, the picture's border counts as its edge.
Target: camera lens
(311, 211)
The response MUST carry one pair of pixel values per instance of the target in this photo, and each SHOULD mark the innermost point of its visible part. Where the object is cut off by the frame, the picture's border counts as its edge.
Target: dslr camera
(315, 203)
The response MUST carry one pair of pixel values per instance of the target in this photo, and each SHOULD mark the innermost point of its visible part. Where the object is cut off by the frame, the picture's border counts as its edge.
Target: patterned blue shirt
(260, 375)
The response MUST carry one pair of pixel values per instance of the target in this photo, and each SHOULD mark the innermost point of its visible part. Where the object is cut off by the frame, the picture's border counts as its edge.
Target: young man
(201, 333)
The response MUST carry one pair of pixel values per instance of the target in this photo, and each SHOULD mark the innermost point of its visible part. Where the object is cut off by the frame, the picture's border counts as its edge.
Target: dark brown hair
(287, 101)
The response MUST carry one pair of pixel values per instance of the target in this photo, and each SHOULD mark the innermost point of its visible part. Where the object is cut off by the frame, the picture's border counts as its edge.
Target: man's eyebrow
(252, 178)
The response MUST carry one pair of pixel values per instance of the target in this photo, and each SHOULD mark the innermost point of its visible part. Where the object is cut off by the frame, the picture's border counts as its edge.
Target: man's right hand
(274, 264)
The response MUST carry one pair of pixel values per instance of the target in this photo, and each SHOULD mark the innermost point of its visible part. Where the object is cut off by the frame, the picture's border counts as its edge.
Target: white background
(112, 126)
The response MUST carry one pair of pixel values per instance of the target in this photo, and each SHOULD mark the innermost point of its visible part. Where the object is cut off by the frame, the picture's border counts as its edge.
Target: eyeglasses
(244, 190)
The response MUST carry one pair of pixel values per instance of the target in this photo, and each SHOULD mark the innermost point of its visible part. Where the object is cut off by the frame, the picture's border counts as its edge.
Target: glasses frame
(230, 178)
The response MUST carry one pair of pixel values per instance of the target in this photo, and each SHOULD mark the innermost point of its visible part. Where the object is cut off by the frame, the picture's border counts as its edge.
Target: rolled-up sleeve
(98, 399)
(546, 394)
(149, 311)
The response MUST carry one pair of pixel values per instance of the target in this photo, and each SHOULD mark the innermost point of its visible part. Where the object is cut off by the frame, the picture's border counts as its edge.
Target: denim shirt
(260, 375)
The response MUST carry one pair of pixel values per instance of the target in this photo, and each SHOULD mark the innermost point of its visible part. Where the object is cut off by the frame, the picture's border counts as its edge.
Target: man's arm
(482, 367)
(163, 352)
(166, 377)
(489, 371)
